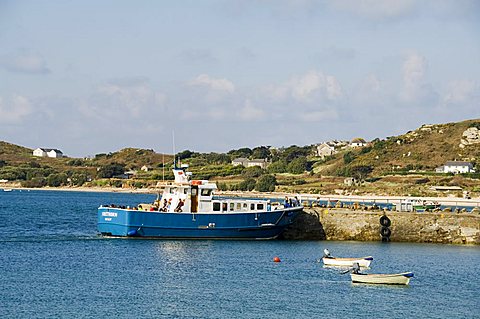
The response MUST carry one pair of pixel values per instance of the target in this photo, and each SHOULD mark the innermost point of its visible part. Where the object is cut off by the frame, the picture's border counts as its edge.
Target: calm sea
(53, 265)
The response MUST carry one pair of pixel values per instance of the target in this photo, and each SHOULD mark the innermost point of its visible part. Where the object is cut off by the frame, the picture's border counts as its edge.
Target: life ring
(385, 221)
(385, 231)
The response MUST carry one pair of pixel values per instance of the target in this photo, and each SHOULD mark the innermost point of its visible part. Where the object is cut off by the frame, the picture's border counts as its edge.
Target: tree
(78, 179)
(277, 167)
(3, 163)
(298, 165)
(266, 183)
(247, 185)
(110, 170)
(254, 171)
(348, 157)
(361, 172)
(185, 154)
(241, 152)
(261, 152)
(55, 180)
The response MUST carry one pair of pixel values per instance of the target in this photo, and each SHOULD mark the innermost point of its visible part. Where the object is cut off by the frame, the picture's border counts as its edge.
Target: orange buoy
(276, 259)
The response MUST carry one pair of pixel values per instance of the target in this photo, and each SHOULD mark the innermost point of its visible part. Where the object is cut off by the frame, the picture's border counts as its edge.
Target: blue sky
(97, 76)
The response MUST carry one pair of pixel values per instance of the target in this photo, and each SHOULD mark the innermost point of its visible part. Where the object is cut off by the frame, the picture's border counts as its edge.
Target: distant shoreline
(302, 196)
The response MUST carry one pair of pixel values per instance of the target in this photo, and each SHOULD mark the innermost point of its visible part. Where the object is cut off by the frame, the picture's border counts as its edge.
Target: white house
(329, 148)
(250, 163)
(240, 161)
(458, 167)
(146, 168)
(325, 149)
(358, 142)
(262, 163)
(47, 152)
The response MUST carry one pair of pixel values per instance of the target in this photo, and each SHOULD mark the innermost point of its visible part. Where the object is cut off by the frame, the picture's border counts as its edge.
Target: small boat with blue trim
(384, 279)
(188, 209)
(330, 261)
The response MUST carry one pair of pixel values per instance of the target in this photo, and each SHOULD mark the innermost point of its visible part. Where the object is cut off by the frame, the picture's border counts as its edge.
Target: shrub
(266, 183)
(348, 157)
(297, 166)
(35, 182)
(55, 180)
(253, 171)
(277, 167)
(110, 170)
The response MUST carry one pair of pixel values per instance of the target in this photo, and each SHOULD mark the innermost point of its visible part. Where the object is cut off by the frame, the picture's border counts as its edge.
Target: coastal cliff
(343, 224)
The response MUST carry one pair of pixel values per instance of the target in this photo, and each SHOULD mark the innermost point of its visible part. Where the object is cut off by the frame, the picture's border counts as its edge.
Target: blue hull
(132, 223)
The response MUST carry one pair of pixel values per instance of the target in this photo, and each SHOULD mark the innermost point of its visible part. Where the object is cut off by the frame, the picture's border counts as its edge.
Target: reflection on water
(52, 264)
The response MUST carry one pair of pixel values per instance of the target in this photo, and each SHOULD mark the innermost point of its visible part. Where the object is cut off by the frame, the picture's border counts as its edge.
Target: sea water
(54, 265)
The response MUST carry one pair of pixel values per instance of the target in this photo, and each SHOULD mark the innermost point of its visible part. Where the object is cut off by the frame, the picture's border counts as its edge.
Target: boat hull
(245, 225)
(347, 262)
(385, 279)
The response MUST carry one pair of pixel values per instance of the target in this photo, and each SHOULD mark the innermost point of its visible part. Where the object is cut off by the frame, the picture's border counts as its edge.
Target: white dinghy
(329, 260)
(385, 279)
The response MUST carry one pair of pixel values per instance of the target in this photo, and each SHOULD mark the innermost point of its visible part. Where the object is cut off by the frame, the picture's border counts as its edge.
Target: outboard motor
(326, 253)
(356, 268)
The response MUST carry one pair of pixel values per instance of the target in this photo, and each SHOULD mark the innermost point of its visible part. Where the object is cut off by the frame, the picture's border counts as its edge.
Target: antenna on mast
(174, 155)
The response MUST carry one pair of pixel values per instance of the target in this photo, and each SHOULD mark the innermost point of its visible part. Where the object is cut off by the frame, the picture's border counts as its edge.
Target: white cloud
(311, 87)
(122, 99)
(25, 62)
(461, 92)
(250, 112)
(416, 88)
(205, 80)
(318, 115)
(374, 8)
(13, 110)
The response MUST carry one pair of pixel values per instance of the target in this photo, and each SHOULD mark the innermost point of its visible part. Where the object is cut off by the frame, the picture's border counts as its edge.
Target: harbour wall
(318, 223)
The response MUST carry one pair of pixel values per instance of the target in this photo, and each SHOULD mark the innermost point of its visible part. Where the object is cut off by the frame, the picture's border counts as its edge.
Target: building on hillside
(323, 150)
(329, 148)
(358, 142)
(262, 163)
(146, 168)
(47, 152)
(458, 167)
(240, 161)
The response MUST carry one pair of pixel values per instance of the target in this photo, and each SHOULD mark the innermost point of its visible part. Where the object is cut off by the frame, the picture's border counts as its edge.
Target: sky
(90, 77)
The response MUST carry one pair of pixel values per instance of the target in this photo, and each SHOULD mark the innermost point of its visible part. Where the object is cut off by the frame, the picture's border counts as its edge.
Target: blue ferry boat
(188, 209)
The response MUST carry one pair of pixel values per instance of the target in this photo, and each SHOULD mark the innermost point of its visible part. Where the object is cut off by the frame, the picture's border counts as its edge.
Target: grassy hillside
(423, 149)
(398, 165)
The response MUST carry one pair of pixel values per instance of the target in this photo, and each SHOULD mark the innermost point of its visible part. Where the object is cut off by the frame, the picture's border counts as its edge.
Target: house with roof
(47, 152)
(358, 142)
(458, 167)
(146, 168)
(260, 162)
(240, 161)
(329, 148)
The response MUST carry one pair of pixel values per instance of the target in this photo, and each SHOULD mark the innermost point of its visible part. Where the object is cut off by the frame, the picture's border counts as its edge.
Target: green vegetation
(403, 164)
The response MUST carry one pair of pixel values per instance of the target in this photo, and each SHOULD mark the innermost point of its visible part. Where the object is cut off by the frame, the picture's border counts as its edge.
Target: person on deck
(181, 202)
(165, 204)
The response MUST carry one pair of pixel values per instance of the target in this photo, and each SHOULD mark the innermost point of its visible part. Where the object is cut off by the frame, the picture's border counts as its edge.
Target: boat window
(232, 206)
(216, 206)
(259, 206)
(239, 206)
(205, 192)
(185, 190)
(252, 206)
(245, 206)
(173, 190)
(224, 207)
